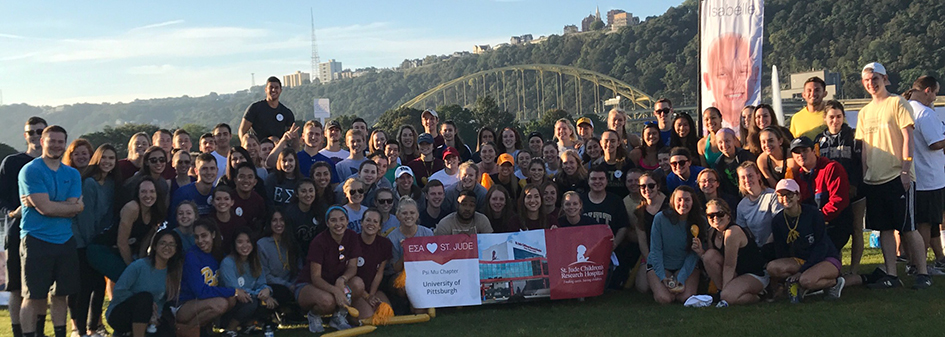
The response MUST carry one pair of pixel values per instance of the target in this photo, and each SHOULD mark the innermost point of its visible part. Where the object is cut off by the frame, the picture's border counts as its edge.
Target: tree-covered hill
(659, 56)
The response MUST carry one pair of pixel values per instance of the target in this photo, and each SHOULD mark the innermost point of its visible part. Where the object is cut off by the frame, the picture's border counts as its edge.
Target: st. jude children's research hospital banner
(463, 270)
(731, 39)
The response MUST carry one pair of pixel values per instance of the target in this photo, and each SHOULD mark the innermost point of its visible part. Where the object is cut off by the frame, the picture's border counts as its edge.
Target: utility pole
(315, 59)
(254, 80)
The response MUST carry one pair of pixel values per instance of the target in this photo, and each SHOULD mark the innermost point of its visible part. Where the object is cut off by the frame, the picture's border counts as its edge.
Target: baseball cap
(534, 134)
(876, 67)
(450, 151)
(333, 124)
(430, 111)
(401, 170)
(801, 142)
(425, 138)
(505, 158)
(788, 184)
(584, 120)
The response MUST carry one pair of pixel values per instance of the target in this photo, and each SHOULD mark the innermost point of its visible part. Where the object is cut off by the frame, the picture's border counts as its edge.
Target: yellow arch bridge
(532, 89)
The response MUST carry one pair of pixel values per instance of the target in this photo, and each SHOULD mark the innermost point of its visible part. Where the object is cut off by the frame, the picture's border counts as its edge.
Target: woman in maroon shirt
(376, 250)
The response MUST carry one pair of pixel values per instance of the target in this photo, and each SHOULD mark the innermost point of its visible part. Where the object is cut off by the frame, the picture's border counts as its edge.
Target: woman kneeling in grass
(731, 257)
(672, 262)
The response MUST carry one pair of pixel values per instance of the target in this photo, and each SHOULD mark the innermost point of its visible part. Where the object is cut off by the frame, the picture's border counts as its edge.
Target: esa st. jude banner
(460, 270)
(732, 32)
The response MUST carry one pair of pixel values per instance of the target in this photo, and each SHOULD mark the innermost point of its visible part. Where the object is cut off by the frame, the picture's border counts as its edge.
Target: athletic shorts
(889, 206)
(298, 289)
(928, 206)
(764, 279)
(49, 267)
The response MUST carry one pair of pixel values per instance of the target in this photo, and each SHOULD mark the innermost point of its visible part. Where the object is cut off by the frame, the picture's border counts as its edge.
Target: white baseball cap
(875, 67)
(401, 170)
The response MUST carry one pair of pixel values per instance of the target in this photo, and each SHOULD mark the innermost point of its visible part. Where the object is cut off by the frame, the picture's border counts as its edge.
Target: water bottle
(874, 239)
(269, 331)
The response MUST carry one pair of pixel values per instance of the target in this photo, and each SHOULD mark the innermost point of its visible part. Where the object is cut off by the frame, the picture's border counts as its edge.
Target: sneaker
(794, 292)
(315, 323)
(339, 320)
(901, 259)
(911, 270)
(886, 282)
(100, 332)
(833, 293)
(75, 333)
(721, 304)
(935, 271)
(922, 281)
(249, 330)
(228, 333)
(939, 264)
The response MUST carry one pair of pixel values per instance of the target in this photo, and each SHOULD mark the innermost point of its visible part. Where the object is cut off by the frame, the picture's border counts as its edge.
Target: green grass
(860, 312)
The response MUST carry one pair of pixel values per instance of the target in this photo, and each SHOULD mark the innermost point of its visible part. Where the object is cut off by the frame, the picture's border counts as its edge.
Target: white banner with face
(732, 33)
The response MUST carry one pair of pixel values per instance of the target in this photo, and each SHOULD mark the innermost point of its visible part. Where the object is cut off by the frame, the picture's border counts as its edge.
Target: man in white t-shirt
(450, 173)
(335, 139)
(929, 162)
(221, 137)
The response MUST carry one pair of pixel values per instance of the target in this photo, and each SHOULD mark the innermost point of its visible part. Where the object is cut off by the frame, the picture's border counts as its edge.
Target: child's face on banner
(728, 73)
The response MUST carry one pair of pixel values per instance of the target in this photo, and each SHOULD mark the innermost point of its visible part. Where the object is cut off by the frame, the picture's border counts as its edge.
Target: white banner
(732, 36)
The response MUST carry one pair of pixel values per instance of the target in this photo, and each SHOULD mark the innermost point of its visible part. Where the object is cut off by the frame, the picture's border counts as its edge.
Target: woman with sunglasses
(182, 162)
(354, 195)
(774, 160)
(328, 280)
(684, 134)
(707, 147)
(384, 202)
(653, 202)
(671, 264)
(731, 257)
(154, 162)
(804, 255)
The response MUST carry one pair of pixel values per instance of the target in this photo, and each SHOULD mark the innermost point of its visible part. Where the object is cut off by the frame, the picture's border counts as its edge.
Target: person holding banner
(571, 207)
(671, 265)
(408, 214)
(328, 280)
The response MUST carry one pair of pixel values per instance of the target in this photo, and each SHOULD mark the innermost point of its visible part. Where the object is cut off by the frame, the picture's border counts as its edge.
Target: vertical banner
(730, 56)
(580, 260)
(442, 271)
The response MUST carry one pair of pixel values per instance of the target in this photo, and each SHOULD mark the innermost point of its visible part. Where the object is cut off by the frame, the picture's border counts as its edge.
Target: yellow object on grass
(382, 315)
(352, 332)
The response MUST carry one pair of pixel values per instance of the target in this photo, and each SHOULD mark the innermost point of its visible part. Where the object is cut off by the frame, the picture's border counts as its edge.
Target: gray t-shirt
(397, 238)
(756, 215)
(450, 225)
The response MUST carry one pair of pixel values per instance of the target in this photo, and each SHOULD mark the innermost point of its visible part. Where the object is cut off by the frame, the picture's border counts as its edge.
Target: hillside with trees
(659, 57)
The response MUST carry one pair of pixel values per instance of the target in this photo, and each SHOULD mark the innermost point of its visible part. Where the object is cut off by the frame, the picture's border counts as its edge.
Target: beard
(464, 217)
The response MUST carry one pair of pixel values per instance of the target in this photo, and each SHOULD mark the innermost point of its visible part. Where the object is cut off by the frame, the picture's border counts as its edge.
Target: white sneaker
(833, 293)
(339, 320)
(315, 323)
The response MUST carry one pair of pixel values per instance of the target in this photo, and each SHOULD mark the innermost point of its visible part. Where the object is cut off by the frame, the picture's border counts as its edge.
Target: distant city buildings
(622, 19)
(329, 71)
(834, 85)
(516, 40)
(481, 48)
(296, 79)
(611, 13)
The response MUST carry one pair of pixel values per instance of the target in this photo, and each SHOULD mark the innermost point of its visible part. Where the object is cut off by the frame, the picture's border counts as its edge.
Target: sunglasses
(662, 111)
(358, 191)
(33, 132)
(678, 163)
(648, 186)
(716, 215)
(155, 160)
(385, 201)
(184, 162)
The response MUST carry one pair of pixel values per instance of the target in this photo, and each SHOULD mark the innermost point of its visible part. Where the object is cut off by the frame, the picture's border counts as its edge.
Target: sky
(66, 52)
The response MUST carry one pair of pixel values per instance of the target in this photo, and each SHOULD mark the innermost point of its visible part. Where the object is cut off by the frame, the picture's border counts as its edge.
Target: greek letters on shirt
(209, 277)
(601, 217)
(282, 195)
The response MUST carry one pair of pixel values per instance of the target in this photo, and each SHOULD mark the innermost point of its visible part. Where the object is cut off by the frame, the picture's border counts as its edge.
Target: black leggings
(246, 313)
(136, 309)
(85, 308)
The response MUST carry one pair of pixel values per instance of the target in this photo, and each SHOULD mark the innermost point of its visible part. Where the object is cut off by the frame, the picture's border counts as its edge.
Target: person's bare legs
(713, 262)
(889, 246)
(16, 300)
(202, 312)
(742, 289)
(28, 311)
(660, 293)
(821, 276)
(913, 241)
(317, 301)
(642, 281)
(60, 306)
(692, 285)
(139, 329)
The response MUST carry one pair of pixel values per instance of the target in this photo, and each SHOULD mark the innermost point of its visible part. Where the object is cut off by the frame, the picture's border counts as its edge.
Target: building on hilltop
(589, 20)
(296, 79)
(520, 39)
(328, 71)
(834, 85)
(481, 48)
(623, 19)
(610, 15)
(570, 29)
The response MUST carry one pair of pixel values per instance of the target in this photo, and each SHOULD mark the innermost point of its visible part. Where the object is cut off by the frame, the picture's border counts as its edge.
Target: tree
(6, 150)
(487, 112)
(466, 122)
(392, 119)
(597, 25)
(119, 136)
(546, 125)
(345, 120)
(196, 130)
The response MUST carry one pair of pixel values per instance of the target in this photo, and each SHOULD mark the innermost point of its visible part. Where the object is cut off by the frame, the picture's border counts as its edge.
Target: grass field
(860, 312)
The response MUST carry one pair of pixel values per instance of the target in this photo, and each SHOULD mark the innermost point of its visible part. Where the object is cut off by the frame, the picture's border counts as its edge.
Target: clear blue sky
(64, 52)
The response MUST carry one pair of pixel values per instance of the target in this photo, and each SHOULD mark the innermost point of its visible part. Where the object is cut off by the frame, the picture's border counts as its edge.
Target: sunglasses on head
(716, 215)
(155, 160)
(649, 186)
(645, 124)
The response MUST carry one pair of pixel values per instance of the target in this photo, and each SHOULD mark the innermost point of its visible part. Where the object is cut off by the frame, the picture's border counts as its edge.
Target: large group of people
(306, 223)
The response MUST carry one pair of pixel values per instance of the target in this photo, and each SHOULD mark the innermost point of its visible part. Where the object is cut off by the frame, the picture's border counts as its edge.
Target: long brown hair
(523, 213)
(696, 214)
(255, 268)
(506, 211)
(175, 264)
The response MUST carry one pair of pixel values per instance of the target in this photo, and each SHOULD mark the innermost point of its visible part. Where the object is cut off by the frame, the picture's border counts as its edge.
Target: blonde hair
(573, 136)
